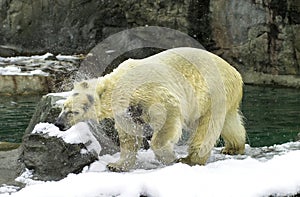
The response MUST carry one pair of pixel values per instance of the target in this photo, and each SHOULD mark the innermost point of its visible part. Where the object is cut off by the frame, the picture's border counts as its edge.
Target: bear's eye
(70, 113)
(75, 112)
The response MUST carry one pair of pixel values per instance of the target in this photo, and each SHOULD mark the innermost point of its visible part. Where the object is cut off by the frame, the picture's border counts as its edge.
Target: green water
(15, 114)
(272, 115)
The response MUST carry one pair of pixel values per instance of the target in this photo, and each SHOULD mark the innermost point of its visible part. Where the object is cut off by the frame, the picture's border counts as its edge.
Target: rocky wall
(256, 36)
(18, 84)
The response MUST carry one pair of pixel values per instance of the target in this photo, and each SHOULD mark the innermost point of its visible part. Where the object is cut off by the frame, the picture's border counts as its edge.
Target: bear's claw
(117, 167)
(114, 168)
(185, 160)
(228, 151)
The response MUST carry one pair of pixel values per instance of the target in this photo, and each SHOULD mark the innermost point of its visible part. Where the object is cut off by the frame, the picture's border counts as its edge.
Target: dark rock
(257, 36)
(253, 35)
(47, 110)
(8, 51)
(225, 24)
(59, 27)
(10, 167)
(51, 158)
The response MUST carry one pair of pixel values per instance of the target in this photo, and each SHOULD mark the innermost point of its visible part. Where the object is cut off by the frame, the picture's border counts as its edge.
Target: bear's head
(80, 106)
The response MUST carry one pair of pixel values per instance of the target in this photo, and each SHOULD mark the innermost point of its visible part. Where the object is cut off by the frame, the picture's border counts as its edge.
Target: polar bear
(167, 95)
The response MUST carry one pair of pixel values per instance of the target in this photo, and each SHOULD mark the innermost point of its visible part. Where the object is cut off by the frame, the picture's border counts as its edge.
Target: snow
(23, 58)
(61, 94)
(261, 171)
(13, 65)
(79, 133)
(40, 57)
(9, 70)
(64, 96)
(68, 57)
(13, 70)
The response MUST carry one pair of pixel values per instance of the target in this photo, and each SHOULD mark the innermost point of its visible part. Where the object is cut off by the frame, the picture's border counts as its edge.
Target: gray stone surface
(253, 35)
(10, 167)
(47, 110)
(258, 36)
(18, 84)
(51, 158)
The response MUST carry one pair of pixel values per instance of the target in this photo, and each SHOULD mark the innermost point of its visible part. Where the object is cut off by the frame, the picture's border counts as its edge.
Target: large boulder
(52, 157)
(10, 167)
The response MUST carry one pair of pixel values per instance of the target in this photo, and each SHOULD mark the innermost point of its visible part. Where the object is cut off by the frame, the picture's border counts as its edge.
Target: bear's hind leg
(163, 140)
(198, 153)
(129, 145)
(234, 134)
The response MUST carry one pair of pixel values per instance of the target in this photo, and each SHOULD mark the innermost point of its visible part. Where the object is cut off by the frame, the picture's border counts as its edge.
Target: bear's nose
(60, 125)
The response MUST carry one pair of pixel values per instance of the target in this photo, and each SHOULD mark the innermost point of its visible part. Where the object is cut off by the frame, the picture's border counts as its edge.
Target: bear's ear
(100, 90)
(102, 86)
(84, 85)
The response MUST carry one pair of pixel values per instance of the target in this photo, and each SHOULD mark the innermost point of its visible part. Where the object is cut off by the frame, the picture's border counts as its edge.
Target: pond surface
(15, 114)
(272, 115)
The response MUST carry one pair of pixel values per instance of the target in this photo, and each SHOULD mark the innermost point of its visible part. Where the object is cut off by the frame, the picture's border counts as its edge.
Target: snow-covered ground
(260, 172)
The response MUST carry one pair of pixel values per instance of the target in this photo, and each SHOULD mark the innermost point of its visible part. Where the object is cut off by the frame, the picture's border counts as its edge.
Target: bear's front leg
(129, 146)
